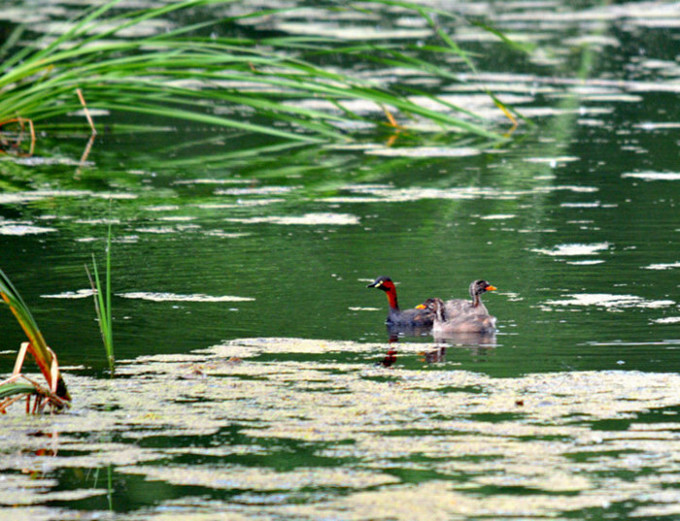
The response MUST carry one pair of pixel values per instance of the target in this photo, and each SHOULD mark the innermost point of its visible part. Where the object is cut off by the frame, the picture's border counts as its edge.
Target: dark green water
(571, 414)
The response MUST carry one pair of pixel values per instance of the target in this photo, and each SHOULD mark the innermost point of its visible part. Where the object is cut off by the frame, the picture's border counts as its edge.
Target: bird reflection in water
(434, 356)
(479, 344)
(389, 359)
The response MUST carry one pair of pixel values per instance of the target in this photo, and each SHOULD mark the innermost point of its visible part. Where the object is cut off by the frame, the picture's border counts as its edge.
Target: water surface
(250, 381)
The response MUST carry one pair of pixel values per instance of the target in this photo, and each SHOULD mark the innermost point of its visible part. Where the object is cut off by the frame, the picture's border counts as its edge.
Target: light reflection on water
(298, 405)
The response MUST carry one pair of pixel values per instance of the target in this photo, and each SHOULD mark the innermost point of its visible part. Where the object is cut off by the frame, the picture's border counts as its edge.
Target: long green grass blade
(102, 302)
(23, 315)
(269, 77)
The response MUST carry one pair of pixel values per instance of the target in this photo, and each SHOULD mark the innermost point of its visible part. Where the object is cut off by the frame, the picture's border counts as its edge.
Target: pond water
(249, 379)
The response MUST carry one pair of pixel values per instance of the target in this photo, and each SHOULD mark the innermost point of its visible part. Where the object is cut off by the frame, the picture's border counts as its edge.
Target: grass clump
(254, 84)
(102, 302)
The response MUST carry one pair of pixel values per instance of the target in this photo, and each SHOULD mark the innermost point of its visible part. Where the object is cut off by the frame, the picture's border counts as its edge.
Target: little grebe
(419, 316)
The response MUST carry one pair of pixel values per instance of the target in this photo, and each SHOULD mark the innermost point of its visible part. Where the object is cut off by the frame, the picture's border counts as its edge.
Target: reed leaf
(14, 388)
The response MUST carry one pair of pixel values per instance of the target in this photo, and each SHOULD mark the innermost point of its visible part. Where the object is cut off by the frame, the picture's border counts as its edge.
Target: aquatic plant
(253, 84)
(18, 385)
(102, 302)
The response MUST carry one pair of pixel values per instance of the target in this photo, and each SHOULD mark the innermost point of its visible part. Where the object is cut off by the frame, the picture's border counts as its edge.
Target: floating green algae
(315, 438)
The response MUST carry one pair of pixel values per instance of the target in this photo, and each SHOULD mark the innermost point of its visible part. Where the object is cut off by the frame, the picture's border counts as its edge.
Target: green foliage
(257, 84)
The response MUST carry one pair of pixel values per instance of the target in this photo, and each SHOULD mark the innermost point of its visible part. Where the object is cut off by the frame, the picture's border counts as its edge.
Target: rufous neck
(392, 299)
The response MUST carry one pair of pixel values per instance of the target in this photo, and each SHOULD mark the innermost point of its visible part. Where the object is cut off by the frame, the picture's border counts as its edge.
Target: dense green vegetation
(262, 83)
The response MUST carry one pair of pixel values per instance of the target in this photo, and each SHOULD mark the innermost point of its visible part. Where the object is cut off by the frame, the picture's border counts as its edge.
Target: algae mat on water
(314, 429)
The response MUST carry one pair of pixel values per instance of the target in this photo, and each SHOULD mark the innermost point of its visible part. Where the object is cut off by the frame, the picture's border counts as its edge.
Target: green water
(247, 340)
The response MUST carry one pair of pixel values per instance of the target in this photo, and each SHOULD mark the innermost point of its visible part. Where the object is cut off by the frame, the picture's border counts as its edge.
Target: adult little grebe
(419, 316)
